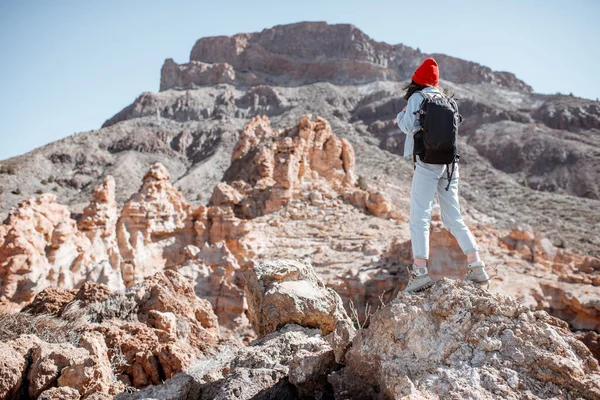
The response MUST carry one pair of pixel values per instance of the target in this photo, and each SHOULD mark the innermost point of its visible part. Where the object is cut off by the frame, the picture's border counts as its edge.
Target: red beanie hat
(427, 74)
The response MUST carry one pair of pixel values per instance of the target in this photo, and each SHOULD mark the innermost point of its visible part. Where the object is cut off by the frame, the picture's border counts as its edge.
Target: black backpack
(436, 142)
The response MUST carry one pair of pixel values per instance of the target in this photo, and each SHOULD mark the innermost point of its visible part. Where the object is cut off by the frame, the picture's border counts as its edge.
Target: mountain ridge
(309, 52)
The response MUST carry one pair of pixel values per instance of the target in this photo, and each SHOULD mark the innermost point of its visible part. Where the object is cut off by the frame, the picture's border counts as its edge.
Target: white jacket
(408, 121)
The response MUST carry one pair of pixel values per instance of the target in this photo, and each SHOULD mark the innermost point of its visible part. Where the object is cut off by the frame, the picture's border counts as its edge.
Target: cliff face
(310, 52)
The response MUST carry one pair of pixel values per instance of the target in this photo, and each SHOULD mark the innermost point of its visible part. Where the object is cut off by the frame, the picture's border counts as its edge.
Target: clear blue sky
(67, 66)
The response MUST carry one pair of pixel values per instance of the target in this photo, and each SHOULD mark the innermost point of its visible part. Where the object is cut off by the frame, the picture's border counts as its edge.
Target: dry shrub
(121, 306)
(47, 327)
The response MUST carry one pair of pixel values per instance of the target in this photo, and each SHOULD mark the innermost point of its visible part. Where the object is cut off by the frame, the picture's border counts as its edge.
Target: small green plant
(44, 182)
(51, 179)
(39, 191)
(55, 189)
(17, 191)
(199, 197)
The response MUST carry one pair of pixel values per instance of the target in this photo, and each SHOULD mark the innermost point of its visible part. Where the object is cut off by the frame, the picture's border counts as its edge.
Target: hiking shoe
(419, 280)
(477, 273)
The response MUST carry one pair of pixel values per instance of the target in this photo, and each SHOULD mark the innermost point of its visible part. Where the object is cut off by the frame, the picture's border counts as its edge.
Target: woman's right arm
(407, 119)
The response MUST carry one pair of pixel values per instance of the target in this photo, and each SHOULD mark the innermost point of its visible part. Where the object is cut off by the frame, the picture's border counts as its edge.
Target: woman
(427, 180)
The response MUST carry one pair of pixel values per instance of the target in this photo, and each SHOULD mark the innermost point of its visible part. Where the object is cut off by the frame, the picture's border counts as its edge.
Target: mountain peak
(309, 52)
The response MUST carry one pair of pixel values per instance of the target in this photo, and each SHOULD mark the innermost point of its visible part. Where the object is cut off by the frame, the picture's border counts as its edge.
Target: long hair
(411, 88)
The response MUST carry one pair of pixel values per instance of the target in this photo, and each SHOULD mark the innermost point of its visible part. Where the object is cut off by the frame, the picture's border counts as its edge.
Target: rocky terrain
(158, 240)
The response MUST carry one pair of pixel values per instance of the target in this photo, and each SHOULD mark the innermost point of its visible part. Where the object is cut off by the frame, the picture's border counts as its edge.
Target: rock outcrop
(42, 247)
(455, 340)
(155, 226)
(269, 168)
(459, 340)
(309, 52)
(98, 342)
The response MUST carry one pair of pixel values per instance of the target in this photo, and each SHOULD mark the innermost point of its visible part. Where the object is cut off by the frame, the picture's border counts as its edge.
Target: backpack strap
(451, 174)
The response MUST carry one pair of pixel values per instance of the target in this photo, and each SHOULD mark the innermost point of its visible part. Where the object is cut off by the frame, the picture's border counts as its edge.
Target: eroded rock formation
(42, 247)
(305, 334)
(269, 168)
(155, 225)
(100, 342)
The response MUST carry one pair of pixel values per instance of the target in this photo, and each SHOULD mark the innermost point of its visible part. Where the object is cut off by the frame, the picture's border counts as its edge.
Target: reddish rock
(50, 301)
(47, 362)
(592, 340)
(92, 292)
(175, 328)
(92, 373)
(12, 371)
(154, 228)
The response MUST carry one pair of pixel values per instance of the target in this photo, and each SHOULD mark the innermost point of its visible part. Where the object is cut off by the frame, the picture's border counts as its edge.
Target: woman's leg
(473, 257)
(452, 218)
(424, 186)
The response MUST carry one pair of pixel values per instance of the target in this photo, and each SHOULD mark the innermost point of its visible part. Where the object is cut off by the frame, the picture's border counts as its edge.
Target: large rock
(92, 374)
(47, 363)
(99, 224)
(459, 340)
(288, 291)
(280, 365)
(84, 370)
(12, 371)
(273, 166)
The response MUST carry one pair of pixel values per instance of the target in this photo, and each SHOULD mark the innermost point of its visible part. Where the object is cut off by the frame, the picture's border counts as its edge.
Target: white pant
(427, 180)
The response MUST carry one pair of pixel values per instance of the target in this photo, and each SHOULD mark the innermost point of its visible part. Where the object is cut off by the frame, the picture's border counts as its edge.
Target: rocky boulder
(288, 291)
(460, 340)
(12, 371)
